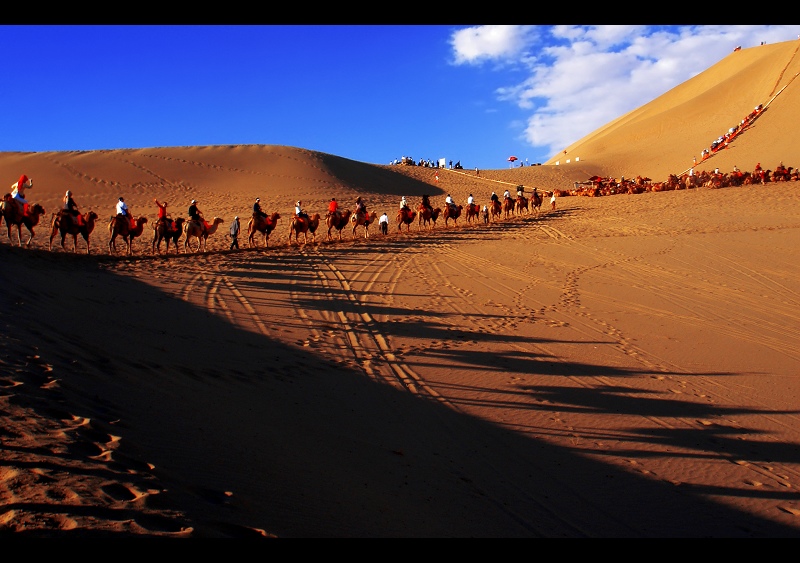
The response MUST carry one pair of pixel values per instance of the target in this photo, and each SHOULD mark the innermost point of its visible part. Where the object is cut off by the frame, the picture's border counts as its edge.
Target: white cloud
(582, 77)
(475, 45)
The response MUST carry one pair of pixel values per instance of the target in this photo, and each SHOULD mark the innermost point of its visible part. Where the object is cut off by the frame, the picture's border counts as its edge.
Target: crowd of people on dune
(723, 140)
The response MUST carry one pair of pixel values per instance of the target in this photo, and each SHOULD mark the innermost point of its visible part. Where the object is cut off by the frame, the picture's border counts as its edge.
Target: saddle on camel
(9, 211)
(473, 210)
(263, 225)
(337, 220)
(405, 217)
(304, 225)
(167, 229)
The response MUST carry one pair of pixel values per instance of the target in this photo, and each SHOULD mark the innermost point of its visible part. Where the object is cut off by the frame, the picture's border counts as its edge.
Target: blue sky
(371, 93)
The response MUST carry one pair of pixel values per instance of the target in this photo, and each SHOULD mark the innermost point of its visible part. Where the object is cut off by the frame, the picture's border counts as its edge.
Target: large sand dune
(622, 366)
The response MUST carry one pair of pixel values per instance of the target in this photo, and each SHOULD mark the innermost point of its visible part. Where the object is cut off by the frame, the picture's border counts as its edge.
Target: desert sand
(617, 367)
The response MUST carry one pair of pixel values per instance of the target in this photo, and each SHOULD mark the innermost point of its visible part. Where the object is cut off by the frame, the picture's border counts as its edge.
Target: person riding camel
(18, 193)
(404, 204)
(426, 203)
(298, 211)
(361, 209)
(333, 207)
(122, 209)
(506, 194)
(195, 213)
(257, 211)
(70, 209)
(449, 201)
(162, 214)
(494, 197)
(470, 201)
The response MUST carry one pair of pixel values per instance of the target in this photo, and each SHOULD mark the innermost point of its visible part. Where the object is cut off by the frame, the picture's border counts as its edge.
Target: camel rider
(494, 197)
(257, 211)
(426, 203)
(162, 214)
(18, 192)
(298, 211)
(404, 204)
(506, 194)
(470, 201)
(520, 190)
(122, 209)
(333, 206)
(194, 213)
(71, 209)
(361, 209)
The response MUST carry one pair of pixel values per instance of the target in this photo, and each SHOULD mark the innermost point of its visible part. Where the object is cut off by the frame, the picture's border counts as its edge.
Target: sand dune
(621, 366)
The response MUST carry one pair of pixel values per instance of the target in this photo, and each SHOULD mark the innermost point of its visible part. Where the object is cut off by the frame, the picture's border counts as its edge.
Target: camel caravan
(597, 186)
(68, 222)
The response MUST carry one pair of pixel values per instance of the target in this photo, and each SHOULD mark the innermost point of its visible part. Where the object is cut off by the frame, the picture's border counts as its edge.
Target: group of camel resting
(597, 186)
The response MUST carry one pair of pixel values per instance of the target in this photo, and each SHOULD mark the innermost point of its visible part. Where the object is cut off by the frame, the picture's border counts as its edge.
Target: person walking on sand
(235, 233)
(383, 223)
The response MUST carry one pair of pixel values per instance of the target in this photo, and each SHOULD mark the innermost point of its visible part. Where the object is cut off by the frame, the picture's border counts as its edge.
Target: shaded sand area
(619, 367)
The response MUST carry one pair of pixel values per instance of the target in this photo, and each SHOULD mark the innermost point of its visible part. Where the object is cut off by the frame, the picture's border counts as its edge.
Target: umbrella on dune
(512, 158)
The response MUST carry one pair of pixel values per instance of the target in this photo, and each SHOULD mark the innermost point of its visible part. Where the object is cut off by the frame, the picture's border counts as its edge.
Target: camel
(121, 228)
(63, 224)
(405, 217)
(520, 205)
(357, 219)
(449, 213)
(263, 225)
(337, 220)
(472, 212)
(496, 209)
(305, 226)
(167, 230)
(508, 207)
(428, 216)
(13, 218)
(536, 202)
(193, 229)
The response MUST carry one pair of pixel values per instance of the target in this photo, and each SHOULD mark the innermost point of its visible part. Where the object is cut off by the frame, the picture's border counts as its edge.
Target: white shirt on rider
(506, 193)
(470, 200)
(122, 208)
(448, 200)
